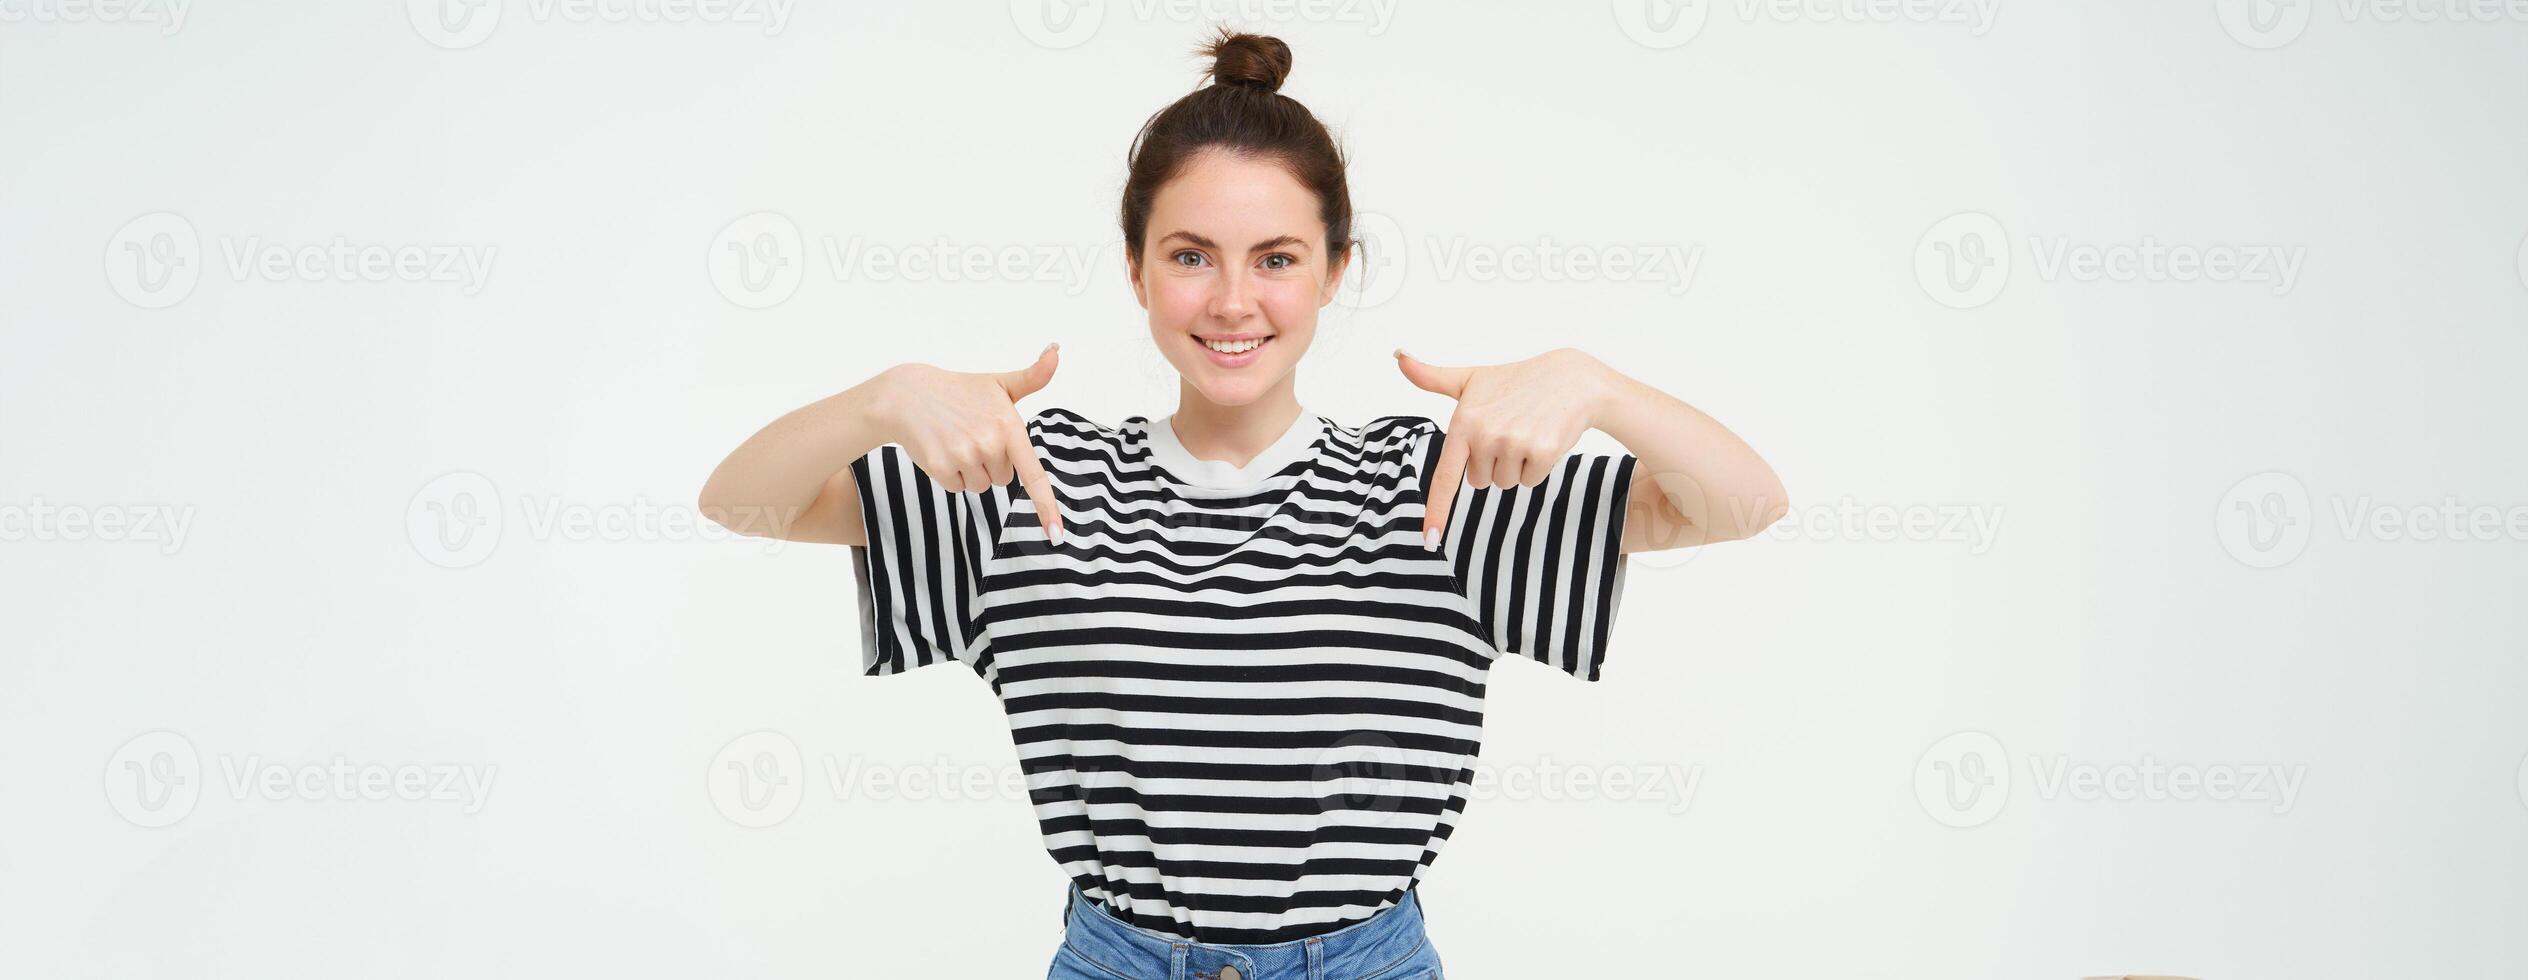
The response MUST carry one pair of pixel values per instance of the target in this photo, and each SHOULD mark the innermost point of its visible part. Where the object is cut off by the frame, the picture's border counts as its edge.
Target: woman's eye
(1286, 261)
(1188, 253)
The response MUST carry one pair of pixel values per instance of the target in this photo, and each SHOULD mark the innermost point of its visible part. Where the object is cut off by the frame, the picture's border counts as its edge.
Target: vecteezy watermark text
(155, 260)
(156, 780)
(39, 520)
(457, 24)
(1964, 260)
(758, 261)
(2269, 24)
(2268, 520)
(1058, 24)
(1671, 23)
(458, 519)
(761, 778)
(1966, 778)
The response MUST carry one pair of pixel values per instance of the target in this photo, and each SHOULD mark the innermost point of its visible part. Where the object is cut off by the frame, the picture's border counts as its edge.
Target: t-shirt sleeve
(920, 575)
(1544, 565)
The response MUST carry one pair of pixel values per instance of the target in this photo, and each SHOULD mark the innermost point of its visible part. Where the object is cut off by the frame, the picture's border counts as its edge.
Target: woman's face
(1234, 252)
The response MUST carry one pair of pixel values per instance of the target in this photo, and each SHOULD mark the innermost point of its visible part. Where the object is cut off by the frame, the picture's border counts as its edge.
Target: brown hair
(1241, 112)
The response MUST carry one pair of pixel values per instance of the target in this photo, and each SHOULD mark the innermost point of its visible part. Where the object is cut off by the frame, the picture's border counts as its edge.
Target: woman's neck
(1233, 434)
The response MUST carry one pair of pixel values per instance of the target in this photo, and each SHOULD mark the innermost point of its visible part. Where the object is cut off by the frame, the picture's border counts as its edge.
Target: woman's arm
(1696, 482)
(792, 479)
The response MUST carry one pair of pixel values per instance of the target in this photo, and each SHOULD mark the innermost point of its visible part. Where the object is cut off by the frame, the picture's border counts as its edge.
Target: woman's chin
(1228, 391)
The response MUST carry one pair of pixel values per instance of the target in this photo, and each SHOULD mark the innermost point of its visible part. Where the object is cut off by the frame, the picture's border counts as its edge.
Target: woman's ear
(1334, 277)
(1132, 273)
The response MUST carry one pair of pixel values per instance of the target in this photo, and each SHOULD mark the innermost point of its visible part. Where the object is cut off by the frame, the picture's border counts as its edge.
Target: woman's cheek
(1180, 303)
(1291, 308)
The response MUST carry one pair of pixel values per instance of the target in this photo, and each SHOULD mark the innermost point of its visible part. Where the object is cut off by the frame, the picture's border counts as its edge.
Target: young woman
(1243, 647)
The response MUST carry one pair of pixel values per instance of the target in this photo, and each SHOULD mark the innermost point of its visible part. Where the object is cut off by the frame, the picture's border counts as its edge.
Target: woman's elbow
(1760, 512)
(715, 506)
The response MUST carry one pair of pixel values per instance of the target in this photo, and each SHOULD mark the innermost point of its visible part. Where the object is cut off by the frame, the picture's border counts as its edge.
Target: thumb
(1450, 381)
(1025, 381)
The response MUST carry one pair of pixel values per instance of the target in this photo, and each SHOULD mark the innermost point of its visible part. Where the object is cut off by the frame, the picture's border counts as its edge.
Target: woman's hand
(793, 480)
(963, 428)
(1513, 424)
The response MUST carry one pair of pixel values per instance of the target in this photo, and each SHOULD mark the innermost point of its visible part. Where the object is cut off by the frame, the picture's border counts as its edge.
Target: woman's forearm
(769, 485)
(1714, 486)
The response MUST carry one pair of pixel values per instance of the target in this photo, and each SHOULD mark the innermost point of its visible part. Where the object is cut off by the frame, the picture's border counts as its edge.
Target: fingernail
(1431, 538)
(1056, 345)
(1399, 352)
(1053, 533)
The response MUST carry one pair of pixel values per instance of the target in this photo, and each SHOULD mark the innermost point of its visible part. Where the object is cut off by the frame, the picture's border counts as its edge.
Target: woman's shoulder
(1061, 419)
(1066, 434)
(1397, 428)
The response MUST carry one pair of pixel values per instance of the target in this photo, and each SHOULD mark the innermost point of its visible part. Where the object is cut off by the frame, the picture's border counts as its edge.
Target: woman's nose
(1231, 298)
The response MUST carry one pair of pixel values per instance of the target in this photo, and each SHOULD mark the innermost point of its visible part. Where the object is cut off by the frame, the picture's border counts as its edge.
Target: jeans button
(1228, 973)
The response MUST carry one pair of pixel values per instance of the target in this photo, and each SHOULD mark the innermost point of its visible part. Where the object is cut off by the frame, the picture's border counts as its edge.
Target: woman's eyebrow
(1278, 241)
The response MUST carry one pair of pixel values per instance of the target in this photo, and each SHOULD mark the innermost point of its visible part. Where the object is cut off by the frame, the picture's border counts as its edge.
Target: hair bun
(1253, 60)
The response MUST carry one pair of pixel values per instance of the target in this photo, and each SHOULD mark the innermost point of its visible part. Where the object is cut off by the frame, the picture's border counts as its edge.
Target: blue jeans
(1096, 945)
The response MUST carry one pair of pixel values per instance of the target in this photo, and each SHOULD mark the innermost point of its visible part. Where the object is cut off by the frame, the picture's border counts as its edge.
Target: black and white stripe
(1247, 714)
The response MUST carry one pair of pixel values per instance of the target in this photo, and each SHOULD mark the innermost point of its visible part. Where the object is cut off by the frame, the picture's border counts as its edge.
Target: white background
(2138, 593)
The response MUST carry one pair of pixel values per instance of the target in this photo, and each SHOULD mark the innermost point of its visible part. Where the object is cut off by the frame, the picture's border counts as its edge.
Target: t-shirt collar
(1294, 445)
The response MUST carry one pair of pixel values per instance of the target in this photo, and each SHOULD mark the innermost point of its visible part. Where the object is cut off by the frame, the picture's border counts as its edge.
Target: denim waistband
(1363, 948)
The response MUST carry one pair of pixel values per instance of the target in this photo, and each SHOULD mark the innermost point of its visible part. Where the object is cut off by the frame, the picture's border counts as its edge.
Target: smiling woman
(1237, 224)
(1242, 647)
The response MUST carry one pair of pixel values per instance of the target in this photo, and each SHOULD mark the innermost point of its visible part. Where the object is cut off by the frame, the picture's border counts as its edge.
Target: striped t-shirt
(1247, 700)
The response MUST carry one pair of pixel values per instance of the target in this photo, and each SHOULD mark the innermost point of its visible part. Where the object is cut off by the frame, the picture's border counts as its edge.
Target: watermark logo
(2264, 520)
(154, 260)
(454, 521)
(1963, 780)
(757, 779)
(1661, 24)
(2264, 24)
(154, 780)
(1377, 269)
(1962, 261)
(167, 15)
(453, 24)
(1365, 773)
(1057, 24)
(758, 260)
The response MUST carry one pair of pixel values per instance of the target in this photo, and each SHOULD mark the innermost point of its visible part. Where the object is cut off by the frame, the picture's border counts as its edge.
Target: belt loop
(1316, 958)
(1176, 963)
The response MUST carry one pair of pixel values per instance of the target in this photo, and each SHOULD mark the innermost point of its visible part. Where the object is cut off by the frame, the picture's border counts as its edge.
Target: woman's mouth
(1233, 353)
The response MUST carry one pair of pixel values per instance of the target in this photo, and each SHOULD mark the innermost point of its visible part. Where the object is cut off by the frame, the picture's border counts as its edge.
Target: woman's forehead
(1235, 195)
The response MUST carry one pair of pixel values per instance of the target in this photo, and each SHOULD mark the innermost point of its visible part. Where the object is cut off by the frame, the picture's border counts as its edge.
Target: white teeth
(1234, 347)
